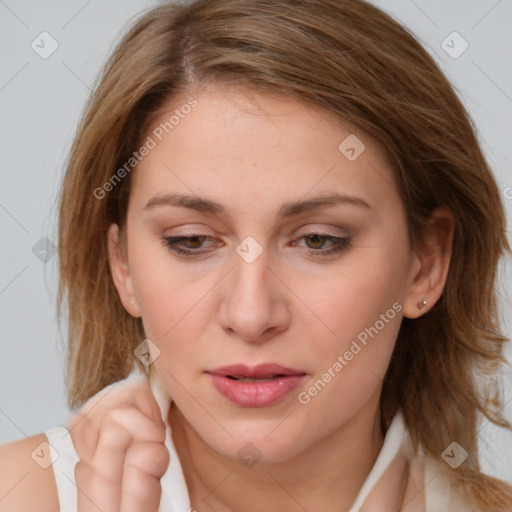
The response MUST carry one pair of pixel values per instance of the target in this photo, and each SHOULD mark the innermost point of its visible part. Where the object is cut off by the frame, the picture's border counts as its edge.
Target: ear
(430, 263)
(120, 271)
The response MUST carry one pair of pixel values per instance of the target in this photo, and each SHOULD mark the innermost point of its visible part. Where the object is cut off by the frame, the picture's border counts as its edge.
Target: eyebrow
(205, 205)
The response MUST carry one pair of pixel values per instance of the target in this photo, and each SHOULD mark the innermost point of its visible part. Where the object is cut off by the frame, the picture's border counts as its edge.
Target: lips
(262, 371)
(258, 386)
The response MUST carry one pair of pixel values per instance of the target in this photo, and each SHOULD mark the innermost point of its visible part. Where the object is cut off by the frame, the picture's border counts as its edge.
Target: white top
(397, 472)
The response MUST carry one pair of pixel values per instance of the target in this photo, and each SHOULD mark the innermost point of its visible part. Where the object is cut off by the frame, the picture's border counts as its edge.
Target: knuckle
(112, 431)
(114, 418)
(151, 458)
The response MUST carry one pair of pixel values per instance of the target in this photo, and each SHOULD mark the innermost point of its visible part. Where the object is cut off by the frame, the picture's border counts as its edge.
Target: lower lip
(256, 394)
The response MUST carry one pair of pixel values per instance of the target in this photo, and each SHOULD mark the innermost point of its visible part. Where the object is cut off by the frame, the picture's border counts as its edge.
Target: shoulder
(25, 482)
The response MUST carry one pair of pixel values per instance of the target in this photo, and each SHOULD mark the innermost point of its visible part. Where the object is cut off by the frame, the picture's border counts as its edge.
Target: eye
(190, 243)
(315, 242)
(193, 245)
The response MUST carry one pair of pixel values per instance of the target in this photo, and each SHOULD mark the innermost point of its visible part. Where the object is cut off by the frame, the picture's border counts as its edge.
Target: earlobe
(430, 264)
(120, 272)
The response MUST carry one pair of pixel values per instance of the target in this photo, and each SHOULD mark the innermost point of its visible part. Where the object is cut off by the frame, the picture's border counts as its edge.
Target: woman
(279, 210)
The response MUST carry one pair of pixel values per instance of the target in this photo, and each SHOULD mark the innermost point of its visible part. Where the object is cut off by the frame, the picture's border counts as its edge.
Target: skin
(119, 438)
(252, 153)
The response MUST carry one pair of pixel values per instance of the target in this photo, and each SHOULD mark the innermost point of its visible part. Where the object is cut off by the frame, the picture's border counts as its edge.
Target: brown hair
(355, 61)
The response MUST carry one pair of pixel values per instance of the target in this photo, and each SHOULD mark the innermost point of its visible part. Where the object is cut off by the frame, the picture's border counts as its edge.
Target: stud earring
(132, 301)
(421, 304)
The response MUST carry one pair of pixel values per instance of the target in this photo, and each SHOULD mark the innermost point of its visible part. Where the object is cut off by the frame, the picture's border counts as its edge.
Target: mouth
(241, 378)
(255, 373)
(258, 386)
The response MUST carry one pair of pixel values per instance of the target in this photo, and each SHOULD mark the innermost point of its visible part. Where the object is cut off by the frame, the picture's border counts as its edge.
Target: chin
(257, 446)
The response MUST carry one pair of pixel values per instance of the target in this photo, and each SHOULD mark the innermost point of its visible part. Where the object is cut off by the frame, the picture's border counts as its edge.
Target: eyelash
(340, 244)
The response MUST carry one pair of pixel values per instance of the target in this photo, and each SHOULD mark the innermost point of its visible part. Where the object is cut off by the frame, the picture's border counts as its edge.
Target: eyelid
(329, 231)
(325, 232)
(307, 232)
(339, 244)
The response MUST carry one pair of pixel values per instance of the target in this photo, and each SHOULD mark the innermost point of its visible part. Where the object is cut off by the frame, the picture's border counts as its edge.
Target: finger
(119, 430)
(140, 490)
(145, 464)
(85, 426)
(84, 434)
(100, 481)
(151, 458)
(122, 394)
(95, 493)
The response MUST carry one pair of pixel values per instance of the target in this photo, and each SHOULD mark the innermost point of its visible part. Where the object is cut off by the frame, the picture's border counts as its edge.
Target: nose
(255, 306)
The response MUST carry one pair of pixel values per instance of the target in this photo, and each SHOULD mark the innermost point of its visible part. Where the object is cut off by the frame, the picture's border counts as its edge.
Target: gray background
(40, 102)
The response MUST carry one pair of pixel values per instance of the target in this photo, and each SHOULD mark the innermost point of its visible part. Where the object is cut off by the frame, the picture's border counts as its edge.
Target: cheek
(362, 309)
(350, 371)
(169, 305)
(365, 288)
(163, 295)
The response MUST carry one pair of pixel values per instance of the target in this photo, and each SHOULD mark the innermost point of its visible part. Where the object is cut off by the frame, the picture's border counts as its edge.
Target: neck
(330, 471)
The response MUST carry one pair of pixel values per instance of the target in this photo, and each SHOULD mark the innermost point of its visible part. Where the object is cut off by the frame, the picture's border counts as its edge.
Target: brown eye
(317, 241)
(194, 242)
(187, 245)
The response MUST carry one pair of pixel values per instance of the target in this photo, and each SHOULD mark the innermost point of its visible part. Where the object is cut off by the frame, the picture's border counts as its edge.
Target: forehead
(248, 147)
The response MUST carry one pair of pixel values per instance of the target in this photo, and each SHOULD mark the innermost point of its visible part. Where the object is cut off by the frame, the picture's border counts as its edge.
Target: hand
(119, 436)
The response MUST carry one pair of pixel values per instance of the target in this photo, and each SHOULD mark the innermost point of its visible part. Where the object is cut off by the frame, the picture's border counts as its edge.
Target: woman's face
(299, 257)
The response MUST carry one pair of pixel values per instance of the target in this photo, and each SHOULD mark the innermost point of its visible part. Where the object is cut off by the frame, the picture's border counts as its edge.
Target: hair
(353, 60)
